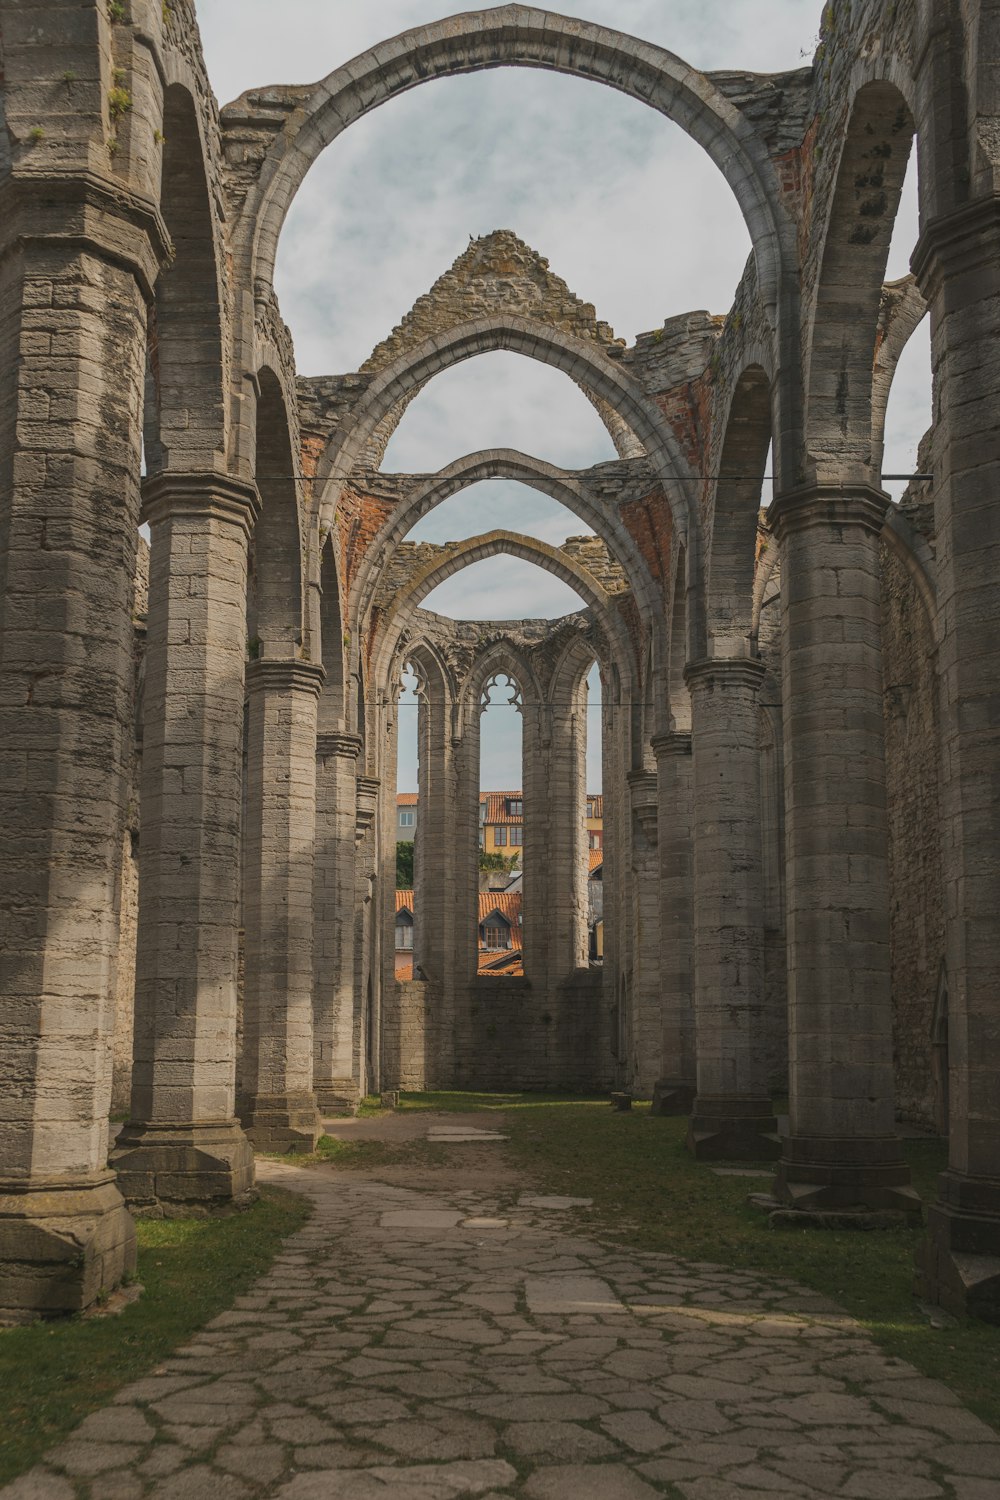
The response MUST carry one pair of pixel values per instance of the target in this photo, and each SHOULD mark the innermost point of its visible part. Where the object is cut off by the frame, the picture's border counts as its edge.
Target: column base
(63, 1244)
(340, 1096)
(845, 1175)
(958, 1264)
(733, 1129)
(178, 1171)
(282, 1122)
(672, 1099)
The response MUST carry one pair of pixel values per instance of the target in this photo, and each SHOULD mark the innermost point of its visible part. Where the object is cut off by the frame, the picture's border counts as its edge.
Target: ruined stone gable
(497, 277)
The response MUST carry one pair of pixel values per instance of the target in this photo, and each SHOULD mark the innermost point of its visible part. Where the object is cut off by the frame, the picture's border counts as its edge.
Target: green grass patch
(649, 1192)
(53, 1374)
(371, 1155)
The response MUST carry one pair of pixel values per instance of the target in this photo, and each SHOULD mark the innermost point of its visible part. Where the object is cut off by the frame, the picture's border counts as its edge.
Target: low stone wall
(511, 1036)
(410, 1029)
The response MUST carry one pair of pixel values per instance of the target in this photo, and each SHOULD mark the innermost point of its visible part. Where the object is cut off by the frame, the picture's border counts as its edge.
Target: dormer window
(496, 932)
(404, 931)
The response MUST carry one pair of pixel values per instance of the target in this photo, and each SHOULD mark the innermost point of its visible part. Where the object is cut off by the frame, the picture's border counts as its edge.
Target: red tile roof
(496, 808)
(596, 859)
(508, 904)
(406, 799)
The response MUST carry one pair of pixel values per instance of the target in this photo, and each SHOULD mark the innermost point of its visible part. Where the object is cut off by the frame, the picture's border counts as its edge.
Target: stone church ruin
(801, 704)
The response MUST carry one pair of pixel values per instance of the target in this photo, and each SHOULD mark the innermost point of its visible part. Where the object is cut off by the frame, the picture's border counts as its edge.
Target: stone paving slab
(397, 1351)
(464, 1132)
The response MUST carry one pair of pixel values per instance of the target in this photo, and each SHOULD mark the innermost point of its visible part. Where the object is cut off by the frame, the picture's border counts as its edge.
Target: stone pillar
(645, 1040)
(77, 262)
(732, 1114)
(367, 931)
(279, 1111)
(182, 1146)
(957, 263)
(559, 800)
(335, 1020)
(842, 1151)
(674, 1092)
(433, 854)
(537, 844)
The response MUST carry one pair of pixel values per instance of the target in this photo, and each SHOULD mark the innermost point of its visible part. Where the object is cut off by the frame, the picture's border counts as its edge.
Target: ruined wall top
(497, 275)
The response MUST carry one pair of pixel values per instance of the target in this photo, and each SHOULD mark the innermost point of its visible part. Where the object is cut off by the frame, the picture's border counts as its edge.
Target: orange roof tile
(508, 963)
(404, 898)
(596, 859)
(406, 799)
(496, 808)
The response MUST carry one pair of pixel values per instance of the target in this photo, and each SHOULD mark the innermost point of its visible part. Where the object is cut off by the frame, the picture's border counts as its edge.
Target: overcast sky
(629, 211)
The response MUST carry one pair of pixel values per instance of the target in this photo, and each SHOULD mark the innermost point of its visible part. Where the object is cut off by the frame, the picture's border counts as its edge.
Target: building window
(590, 809)
(596, 839)
(499, 836)
(515, 807)
(496, 934)
(517, 834)
(406, 820)
(404, 932)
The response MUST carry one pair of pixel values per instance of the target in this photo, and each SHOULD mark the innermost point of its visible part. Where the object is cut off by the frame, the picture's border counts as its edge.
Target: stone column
(842, 1152)
(957, 263)
(182, 1145)
(368, 924)
(646, 1015)
(732, 1114)
(335, 1019)
(77, 262)
(433, 854)
(279, 1112)
(675, 1090)
(536, 850)
(560, 802)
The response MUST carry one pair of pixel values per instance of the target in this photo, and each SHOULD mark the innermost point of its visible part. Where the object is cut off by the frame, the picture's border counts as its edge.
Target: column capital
(673, 743)
(218, 497)
(962, 240)
(335, 743)
(824, 505)
(725, 671)
(88, 212)
(284, 677)
(368, 788)
(642, 785)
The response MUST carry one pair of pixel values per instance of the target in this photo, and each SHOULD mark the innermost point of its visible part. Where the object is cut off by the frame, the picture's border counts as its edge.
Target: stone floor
(473, 1341)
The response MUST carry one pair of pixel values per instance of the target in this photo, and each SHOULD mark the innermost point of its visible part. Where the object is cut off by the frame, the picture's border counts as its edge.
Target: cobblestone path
(418, 1346)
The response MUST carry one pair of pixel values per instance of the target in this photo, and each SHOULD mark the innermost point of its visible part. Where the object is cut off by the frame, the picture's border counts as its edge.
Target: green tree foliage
(497, 861)
(404, 865)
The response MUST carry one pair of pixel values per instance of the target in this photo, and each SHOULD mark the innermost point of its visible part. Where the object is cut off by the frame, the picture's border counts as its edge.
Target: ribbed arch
(519, 36)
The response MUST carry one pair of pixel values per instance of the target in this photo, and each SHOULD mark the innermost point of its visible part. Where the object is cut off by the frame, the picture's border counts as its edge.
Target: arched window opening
(500, 901)
(407, 805)
(594, 832)
(503, 588)
(908, 414)
(498, 400)
(506, 504)
(450, 161)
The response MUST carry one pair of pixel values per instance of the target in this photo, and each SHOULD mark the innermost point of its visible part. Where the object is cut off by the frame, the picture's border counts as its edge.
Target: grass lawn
(648, 1191)
(53, 1374)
